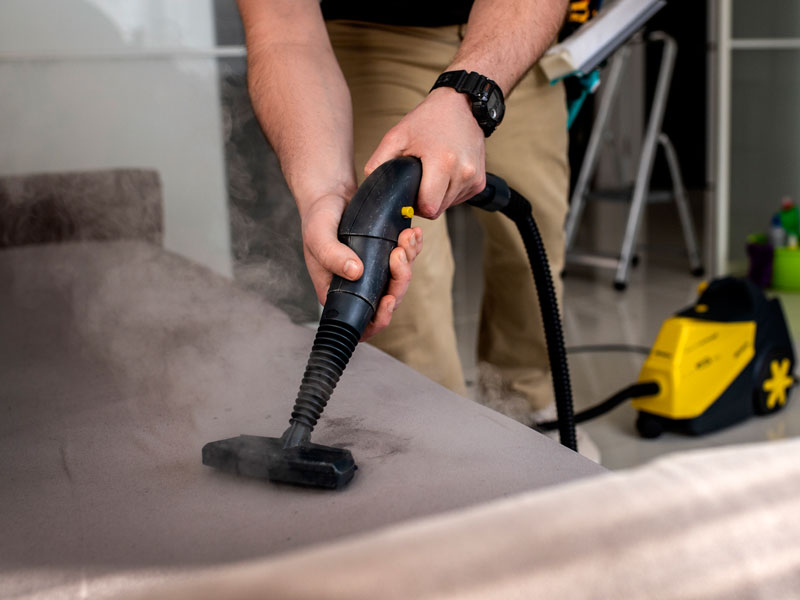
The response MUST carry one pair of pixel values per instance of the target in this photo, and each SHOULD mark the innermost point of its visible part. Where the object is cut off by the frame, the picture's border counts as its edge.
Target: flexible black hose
(637, 390)
(519, 211)
(332, 349)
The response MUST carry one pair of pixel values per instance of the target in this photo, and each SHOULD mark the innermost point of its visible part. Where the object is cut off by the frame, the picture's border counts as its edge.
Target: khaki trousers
(389, 70)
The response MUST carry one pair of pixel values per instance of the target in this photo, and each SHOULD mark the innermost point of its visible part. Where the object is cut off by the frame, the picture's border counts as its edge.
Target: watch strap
(479, 88)
(468, 83)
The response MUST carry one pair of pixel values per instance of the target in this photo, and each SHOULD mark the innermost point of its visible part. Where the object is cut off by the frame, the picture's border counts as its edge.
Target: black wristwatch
(488, 104)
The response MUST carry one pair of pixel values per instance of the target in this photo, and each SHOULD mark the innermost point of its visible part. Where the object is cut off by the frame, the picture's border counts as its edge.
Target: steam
(265, 227)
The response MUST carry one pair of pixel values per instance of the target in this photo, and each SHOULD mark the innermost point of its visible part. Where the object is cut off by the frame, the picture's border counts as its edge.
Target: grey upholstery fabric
(720, 524)
(93, 205)
(119, 360)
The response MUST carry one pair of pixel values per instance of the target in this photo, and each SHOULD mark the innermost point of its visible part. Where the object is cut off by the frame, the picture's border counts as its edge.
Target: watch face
(495, 109)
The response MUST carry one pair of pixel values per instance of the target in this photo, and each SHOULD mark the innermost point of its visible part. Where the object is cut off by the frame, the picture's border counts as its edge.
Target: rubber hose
(519, 211)
(332, 349)
(637, 390)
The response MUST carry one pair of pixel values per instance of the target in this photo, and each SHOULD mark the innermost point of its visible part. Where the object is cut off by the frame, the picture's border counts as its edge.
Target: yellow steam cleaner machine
(725, 358)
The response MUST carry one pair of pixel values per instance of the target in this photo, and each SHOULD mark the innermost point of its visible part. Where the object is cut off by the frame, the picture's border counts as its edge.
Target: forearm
(300, 97)
(303, 104)
(505, 37)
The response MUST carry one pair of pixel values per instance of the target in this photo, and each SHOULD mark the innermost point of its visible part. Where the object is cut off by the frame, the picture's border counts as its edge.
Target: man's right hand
(326, 256)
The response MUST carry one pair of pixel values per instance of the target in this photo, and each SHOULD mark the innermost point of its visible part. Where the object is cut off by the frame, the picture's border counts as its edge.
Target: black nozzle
(266, 458)
(292, 458)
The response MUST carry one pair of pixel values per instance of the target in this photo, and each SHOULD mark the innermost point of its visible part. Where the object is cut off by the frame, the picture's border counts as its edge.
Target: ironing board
(119, 360)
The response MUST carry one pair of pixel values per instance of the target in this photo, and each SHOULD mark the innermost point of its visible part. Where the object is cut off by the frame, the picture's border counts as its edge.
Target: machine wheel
(649, 426)
(773, 382)
(620, 286)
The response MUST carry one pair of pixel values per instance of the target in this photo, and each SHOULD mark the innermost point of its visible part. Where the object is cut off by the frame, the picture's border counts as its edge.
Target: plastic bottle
(777, 234)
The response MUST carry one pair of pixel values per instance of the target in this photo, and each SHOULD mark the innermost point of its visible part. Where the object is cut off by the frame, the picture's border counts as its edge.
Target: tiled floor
(594, 313)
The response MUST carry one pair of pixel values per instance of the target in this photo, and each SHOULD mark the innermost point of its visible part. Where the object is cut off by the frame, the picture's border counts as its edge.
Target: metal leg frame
(653, 138)
(682, 202)
(578, 200)
(645, 169)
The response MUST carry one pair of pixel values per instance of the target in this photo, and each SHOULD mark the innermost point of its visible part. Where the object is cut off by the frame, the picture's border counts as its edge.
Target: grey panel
(227, 23)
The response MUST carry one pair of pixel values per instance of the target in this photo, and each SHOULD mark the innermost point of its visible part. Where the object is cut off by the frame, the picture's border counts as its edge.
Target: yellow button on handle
(407, 211)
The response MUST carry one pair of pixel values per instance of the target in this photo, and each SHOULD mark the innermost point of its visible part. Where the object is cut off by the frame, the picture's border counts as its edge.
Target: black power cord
(637, 390)
(589, 348)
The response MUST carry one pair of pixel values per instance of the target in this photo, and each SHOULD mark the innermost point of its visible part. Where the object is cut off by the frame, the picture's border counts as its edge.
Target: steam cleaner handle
(379, 211)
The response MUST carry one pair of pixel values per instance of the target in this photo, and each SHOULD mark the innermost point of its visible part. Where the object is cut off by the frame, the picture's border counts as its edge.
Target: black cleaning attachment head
(292, 458)
(370, 225)
(265, 458)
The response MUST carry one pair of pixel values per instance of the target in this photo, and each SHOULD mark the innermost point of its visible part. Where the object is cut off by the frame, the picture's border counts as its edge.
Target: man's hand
(326, 256)
(502, 40)
(444, 134)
